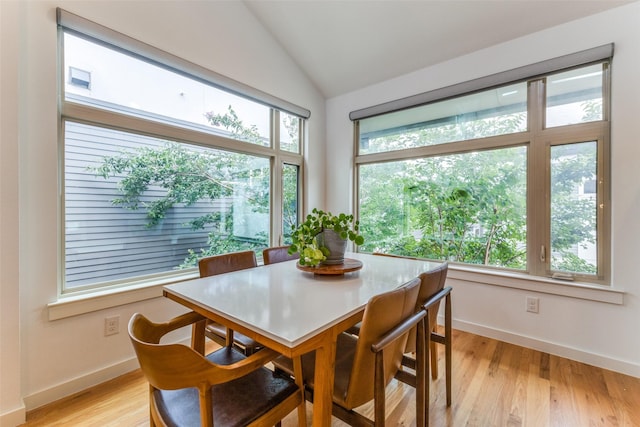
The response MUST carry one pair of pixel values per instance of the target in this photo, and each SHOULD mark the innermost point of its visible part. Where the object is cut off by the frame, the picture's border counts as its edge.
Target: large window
(511, 177)
(162, 167)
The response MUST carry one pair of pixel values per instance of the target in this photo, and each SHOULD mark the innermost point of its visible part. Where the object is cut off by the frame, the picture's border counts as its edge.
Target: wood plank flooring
(494, 384)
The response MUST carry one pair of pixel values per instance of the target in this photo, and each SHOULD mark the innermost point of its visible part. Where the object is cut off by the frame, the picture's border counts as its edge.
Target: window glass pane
(136, 87)
(469, 208)
(493, 112)
(573, 207)
(574, 96)
(136, 205)
(291, 203)
(289, 133)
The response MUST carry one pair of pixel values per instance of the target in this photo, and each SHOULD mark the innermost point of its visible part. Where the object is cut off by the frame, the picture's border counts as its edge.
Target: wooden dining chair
(225, 388)
(225, 263)
(432, 292)
(432, 282)
(278, 254)
(366, 364)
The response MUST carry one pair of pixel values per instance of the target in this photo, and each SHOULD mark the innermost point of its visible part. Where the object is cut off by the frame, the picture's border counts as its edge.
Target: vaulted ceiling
(344, 45)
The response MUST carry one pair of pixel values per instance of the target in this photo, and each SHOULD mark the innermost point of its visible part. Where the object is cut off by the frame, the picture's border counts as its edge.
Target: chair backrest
(382, 313)
(168, 366)
(278, 254)
(431, 282)
(224, 263)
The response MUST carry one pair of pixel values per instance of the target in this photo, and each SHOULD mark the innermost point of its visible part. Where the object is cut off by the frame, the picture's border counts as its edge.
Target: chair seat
(232, 405)
(214, 329)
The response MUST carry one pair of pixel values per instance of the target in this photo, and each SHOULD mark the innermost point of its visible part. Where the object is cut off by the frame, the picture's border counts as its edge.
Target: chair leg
(447, 345)
(422, 381)
(198, 336)
(434, 360)
(152, 422)
(229, 338)
(206, 407)
(378, 391)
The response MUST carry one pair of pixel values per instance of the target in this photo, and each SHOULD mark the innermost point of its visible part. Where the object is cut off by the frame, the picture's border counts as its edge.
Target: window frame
(73, 111)
(538, 141)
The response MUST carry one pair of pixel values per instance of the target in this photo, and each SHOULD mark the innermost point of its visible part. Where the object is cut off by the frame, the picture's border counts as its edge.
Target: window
(162, 167)
(574, 96)
(488, 113)
(510, 177)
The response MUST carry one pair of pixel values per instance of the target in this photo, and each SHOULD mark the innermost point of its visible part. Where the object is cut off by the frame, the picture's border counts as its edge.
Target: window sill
(67, 306)
(538, 284)
(73, 305)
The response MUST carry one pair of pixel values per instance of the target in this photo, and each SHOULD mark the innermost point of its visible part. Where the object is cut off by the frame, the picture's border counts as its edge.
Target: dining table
(295, 310)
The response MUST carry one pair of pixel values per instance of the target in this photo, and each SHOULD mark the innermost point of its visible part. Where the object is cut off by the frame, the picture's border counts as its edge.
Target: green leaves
(238, 129)
(469, 207)
(304, 236)
(185, 177)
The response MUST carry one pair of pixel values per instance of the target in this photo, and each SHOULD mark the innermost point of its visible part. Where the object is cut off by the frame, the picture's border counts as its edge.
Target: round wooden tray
(347, 266)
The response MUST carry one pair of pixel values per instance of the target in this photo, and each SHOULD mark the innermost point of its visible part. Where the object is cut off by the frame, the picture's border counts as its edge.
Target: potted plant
(322, 237)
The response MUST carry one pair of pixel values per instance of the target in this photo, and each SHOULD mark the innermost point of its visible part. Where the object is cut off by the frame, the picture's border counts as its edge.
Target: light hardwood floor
(494, 384)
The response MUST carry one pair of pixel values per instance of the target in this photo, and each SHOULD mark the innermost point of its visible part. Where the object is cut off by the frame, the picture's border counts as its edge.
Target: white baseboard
(78, 384)
(601, 361)
(13, 418)
(51, 394)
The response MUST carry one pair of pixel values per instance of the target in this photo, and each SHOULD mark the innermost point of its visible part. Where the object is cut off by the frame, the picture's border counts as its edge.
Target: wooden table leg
(323, 382)
(297, 374)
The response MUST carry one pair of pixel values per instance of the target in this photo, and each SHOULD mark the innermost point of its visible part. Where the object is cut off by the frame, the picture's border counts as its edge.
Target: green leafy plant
(304, 239)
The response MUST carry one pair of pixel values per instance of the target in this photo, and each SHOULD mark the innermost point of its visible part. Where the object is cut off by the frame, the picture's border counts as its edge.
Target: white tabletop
(288, 305)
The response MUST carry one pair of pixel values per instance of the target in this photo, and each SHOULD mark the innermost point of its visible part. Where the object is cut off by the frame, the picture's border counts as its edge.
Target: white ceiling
(344, 45)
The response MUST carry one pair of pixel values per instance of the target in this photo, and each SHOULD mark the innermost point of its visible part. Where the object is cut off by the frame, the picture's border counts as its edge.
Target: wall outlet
(111, 325)
(533, 304)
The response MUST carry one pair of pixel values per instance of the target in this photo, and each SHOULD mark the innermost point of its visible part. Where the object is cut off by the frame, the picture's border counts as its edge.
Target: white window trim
(522, 281)
(99, 299)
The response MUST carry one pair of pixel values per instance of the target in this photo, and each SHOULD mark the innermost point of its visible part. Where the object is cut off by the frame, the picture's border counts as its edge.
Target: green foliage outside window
(451, 208)
(471, 207)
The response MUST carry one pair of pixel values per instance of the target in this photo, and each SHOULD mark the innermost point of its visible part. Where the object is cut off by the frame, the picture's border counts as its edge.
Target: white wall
(43, 360)
(11, 407)
(594, 332)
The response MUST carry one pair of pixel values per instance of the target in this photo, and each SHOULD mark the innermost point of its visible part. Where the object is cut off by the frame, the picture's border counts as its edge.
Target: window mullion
(276, 182)
(111, 119)
(538, 233)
